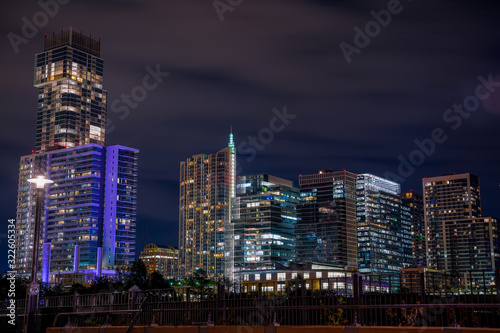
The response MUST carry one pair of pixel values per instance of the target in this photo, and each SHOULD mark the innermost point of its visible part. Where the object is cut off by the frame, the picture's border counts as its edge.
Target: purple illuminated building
(89, 212)
(90, 209)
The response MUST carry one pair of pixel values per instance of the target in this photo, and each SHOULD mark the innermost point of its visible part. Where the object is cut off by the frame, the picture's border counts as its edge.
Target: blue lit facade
(91, 204)
(263, 221)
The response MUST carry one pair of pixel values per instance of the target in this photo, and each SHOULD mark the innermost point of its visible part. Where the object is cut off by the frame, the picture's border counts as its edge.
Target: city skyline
(170, 124)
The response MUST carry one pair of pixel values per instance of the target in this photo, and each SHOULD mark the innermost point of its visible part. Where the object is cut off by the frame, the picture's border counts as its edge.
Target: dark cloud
(264, 54)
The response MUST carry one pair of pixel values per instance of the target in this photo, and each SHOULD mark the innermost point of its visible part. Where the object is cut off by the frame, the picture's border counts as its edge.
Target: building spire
(231, 139)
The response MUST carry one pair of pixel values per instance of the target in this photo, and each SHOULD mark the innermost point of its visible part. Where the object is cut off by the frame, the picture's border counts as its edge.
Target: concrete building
(207, 185)
(71, 99)
(458, 238)
(163, 259)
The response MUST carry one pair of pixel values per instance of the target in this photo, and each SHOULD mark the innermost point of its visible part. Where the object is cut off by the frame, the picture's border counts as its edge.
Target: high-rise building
(89, 212)
(326, 226)
(71, 99)
(163, 259)
(458, 236)
(207, 185)
(384, 232)
(263, 220)
(413, 206)
(90, 206)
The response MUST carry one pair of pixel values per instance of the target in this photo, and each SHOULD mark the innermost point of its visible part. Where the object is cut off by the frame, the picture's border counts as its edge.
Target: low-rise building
(161, 258)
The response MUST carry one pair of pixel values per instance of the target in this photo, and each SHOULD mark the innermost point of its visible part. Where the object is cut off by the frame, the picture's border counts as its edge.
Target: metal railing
(410, 299)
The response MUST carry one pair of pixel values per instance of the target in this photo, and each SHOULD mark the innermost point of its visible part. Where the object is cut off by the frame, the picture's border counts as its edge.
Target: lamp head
(40, 181)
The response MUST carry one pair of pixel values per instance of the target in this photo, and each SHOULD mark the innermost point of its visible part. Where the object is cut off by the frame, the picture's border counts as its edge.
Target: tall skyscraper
(71, 99)
(263, 220)
(326, 226)
(89, 212)
(413, 205)
(207, 185)
(90, 205)
(384, 233)
(458, 236)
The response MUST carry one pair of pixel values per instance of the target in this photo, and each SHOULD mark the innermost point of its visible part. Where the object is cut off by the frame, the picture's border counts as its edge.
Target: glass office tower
(413, 204)
(91, 204)
(326, 226)
(207, 185)
(384, 231)
(263, 220)
(71, 99)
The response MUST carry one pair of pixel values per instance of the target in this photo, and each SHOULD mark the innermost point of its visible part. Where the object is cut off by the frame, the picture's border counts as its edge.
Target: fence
(419, 300)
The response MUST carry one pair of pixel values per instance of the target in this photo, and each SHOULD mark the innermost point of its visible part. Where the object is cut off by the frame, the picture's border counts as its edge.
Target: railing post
(111, 301)
(132, 294)
(76, 301)
(423, 290)
(357, 286)
(221, 298)
(188, 300)
(303, 302)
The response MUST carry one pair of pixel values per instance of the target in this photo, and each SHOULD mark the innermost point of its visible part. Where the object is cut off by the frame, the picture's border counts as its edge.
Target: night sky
(359, 116)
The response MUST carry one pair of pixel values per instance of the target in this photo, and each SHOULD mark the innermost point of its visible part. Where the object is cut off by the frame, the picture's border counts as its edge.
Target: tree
(294, 287)
(157, 281)
(77, 288)
(138, 275)
(200, 281)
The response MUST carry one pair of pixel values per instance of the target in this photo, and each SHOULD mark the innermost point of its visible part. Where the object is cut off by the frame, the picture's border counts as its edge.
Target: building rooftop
(77, 40)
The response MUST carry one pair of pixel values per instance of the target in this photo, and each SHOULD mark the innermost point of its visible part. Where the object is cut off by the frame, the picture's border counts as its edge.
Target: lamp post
(33, 287)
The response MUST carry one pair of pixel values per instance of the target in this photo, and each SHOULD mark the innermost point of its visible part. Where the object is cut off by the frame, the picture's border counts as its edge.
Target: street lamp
(33, 287)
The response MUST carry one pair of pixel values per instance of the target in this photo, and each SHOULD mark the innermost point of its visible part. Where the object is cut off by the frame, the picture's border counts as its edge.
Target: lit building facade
(161, 259)
(447, 199)
(413, 208)
(263, 221)
(313, 276)
(207, 185)
(29, 167)
(459, 239)
(326, 226)
(71, 99)
(89, 212)
(91, 207)
(384, 231)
